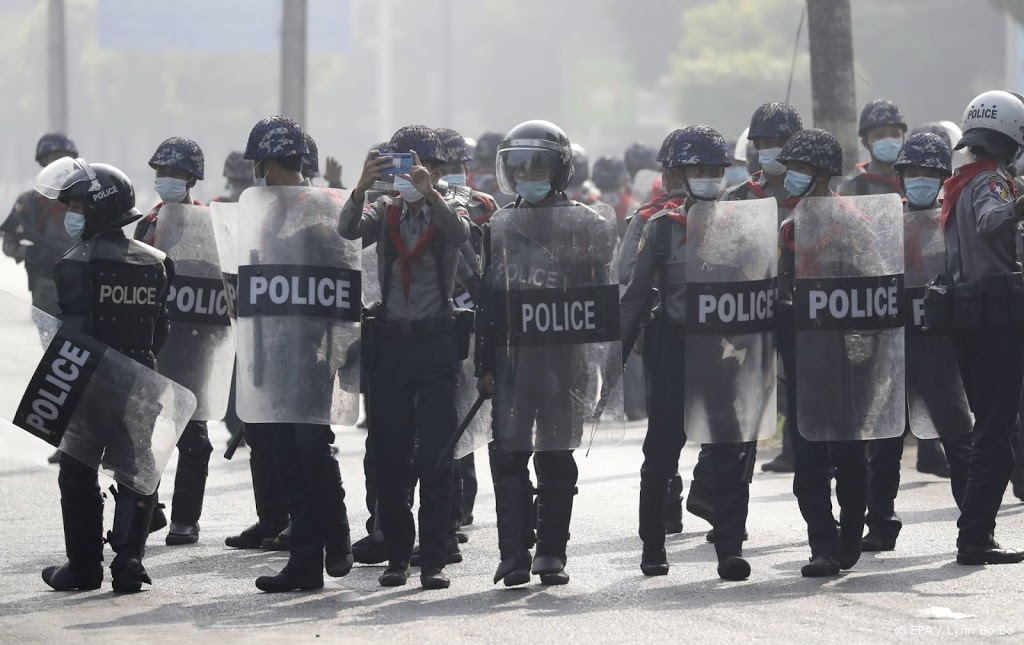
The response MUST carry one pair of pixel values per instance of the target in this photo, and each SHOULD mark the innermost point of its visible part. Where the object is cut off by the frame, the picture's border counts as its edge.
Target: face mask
(74, 224)
(886, 150)
(170, 189)
(735, 175)
(407, 190)
(533, 191)
(705, 188)
(922, 191)
(455, 180)
(767, 159)
(797, 184)
(259, 182)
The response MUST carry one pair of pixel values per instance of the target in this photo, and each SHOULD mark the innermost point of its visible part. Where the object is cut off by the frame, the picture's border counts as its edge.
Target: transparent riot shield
(848, 308)
(299, 305)
(935, 392)
(200, 349)
(91, 402)
(730, 382)
(556, 327)
(224, 216)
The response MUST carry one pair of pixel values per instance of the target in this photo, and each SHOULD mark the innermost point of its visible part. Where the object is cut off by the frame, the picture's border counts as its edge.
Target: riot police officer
(415, 352)
(979, 215)
(238, 173)
(537, 390)
(933, 380)
(693, 170)
(882, 129)
(100, 201)
(179, 164)
(771, 126)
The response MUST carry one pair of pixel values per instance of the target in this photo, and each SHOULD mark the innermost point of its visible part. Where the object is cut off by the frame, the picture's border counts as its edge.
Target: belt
(414, 329)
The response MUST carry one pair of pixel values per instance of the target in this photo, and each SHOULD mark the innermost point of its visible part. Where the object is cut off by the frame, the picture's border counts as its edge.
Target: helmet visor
(57, 176)
(525, 164)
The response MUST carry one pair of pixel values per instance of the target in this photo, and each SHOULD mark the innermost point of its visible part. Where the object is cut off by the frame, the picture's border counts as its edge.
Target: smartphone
(401, 163)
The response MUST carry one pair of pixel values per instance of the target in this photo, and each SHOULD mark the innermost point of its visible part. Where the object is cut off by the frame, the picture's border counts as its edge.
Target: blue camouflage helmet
(925, 150)
(276, 137)
(935, 128)
(666, 145)
(815, 147)
(237, 168)
(310, 160)
(454, 146)
(880, 112)
(52, 142)
(180, 153)
(774, 120)
(698, 145)
(419, 139)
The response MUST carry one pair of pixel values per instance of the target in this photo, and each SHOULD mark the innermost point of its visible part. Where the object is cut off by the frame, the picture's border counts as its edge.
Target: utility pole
(293, 59)
(448, 85)
(56, 68)
(830, 36)
(385, 69)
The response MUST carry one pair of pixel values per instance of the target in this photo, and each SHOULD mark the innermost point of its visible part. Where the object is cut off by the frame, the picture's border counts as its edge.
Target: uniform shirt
(426, 298)
(979, 231)
(669, 278)
(866, 179)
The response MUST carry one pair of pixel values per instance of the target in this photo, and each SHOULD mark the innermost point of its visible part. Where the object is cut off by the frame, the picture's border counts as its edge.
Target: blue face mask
(455, 180)
(922, 191)
(408, 192)
(886, 150)
(533, 191)
(74, 224)
(797, 183)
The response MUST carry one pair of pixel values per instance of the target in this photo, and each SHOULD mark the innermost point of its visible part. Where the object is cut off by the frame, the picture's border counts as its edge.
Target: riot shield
(848, 308)
(224, 216)
(94, 404)
(371, 276)
(200, 349)
(730, 385)
(299, 305)
(556, 327)
(936, 397)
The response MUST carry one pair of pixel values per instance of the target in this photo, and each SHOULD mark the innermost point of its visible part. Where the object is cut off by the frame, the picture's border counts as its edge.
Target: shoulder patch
(997, 188)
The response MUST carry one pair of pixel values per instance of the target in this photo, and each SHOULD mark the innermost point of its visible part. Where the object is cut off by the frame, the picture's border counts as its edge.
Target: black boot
(132, 516)
(289, 581)
(513, 503)
(280, 542)
(698, 501)
(820, 566)
(733, 567)
(396, 575)
(190, 476)
(82, 511)
(370, 550)
(554, 513)
(453, 554)
(654, 562)
(674, 505)
(270, 495)
(159, 519)
(338, 561)
(987, 553)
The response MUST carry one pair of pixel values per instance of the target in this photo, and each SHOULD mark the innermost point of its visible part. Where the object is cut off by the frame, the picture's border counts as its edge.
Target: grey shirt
(427, 297)
(669, 278)
(980, 237)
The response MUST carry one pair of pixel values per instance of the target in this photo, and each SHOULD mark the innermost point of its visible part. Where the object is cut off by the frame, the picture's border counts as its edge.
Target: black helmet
(532, 145)
(55, 142)
(640, 156)
(610, 173)
(310, 160)
(580, 165)
(106, 193)
(814, 147)
(880, 112)
(774, 120)
(238, 168)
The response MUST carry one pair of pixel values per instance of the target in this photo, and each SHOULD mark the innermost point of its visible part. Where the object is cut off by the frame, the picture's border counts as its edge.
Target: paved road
(206, 591)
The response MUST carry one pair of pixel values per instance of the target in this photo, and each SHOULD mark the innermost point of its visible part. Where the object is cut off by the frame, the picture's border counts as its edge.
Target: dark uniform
(88, 278)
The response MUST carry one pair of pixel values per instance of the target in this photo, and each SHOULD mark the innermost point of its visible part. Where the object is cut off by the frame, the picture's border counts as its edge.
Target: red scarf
(405, 257)
(671, 204)
(150, 235)
(875, 178)
(955, 185)
(755, 187)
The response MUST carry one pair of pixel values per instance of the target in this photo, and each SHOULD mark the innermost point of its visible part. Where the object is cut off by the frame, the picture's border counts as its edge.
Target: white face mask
(455, 180)
(705, 188)
(171, 189)
(408, 192)
(767, 159)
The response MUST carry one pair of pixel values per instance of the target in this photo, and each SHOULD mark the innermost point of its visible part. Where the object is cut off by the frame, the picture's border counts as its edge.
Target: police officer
(101, 200)
(979, 216)
(771, 126)
(179, 164)
(580, 187)
(644, 167)
(922, 165)
(483, 177)
(612, 180)
(882, 129)
(812, 157)
(238, 173)
(693, 171)
(299, 455)
(535, 162)
(415, 358)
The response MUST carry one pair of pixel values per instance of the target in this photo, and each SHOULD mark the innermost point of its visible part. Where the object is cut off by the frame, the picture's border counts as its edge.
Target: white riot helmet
(739, 153)
(997, 111)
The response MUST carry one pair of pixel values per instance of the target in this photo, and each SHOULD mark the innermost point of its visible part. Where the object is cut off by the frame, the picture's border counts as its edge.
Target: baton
(257, 328)
(235, 441)
(450, 447)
